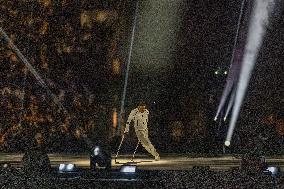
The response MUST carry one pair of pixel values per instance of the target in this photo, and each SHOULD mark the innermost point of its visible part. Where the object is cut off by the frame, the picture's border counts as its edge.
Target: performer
(139, 116)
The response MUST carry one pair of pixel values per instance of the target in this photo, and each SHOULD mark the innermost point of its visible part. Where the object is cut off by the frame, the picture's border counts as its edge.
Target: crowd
(60, 47)
(198, 177)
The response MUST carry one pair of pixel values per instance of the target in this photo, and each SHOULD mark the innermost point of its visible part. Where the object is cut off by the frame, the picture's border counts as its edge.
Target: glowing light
(96, 151)
(116, 66)
(114, 118)
(61, 167)
(128, 169)
(101, 16)
(256, 33)
(5, 165)
(227, 143)
(70, 167)
(230, 105)
(216, 72)
(225, 72)
(235, 63)
(273, 170)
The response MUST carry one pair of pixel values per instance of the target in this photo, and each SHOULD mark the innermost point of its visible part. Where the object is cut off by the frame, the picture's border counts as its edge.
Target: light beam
(257, 28)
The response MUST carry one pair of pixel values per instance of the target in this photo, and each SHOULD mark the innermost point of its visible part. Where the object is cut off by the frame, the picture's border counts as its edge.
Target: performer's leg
(146, 143)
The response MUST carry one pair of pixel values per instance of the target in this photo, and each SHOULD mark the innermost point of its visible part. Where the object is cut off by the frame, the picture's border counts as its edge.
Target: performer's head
(141, 106)
(39, 139)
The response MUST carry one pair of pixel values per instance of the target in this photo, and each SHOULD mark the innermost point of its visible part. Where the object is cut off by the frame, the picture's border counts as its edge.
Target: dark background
(182, 100)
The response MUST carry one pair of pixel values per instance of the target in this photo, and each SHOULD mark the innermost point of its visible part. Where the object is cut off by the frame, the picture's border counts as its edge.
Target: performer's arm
(130, 118)
(147, 112)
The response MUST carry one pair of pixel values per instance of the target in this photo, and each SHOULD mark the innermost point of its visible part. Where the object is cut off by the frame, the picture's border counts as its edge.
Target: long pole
(127, 70)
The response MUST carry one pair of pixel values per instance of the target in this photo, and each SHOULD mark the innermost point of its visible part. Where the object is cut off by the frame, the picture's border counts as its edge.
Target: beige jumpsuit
(140, 124)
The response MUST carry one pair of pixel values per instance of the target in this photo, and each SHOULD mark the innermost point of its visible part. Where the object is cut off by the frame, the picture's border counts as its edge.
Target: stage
(144, 162)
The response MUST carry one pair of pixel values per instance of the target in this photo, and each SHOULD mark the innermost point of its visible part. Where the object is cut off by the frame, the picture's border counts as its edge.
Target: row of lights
(219, 72)
(98, 158)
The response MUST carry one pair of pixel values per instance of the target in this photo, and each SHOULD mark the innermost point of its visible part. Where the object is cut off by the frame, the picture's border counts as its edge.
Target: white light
(61, 167)
(256, 32)
(96, 151)
(215, 118)
(225, 118)
(128, 169)
(227, 143)
(70, 167)
(225, 72)
(273, 170)
(5, 165)
(216, 72)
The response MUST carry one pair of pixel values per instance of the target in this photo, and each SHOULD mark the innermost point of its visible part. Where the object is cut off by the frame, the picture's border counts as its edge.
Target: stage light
(61, 167)
(128, 169)
(66, 167)
(225, 72)
(273, 170)
(216, 72)
(215, 119)
(100, 158)
(227, 143)
(5, 165)
(70, 167)
(256, 32)
(96, 151)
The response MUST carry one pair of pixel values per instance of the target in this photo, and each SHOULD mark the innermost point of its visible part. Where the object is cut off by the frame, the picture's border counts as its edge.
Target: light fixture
(67, 167)
(61, 167)
(273, 170)
(100, 158)
(5, 165)
(227, 143)
(128, 169)
(96, 151)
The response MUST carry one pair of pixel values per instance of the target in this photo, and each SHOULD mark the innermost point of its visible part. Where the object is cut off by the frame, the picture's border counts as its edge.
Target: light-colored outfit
(140, 125)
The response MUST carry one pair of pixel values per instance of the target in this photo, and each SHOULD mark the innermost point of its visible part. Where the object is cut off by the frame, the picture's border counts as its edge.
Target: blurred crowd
(198, 177)
(60, 41)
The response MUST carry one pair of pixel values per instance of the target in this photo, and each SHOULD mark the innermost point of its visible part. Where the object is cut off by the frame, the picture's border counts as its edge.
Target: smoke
(257, 28)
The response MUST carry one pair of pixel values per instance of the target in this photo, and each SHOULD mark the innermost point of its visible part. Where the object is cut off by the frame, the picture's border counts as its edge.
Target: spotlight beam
(127, 69)
(258, 24)
(230, 105)
(31, 68)
(233, 71)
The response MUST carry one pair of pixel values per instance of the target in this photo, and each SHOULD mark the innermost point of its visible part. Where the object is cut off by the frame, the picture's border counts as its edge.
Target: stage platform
(144, 162)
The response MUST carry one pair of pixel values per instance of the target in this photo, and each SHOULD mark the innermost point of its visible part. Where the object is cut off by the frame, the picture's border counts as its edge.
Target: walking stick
(122, 139)
(135, 150)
